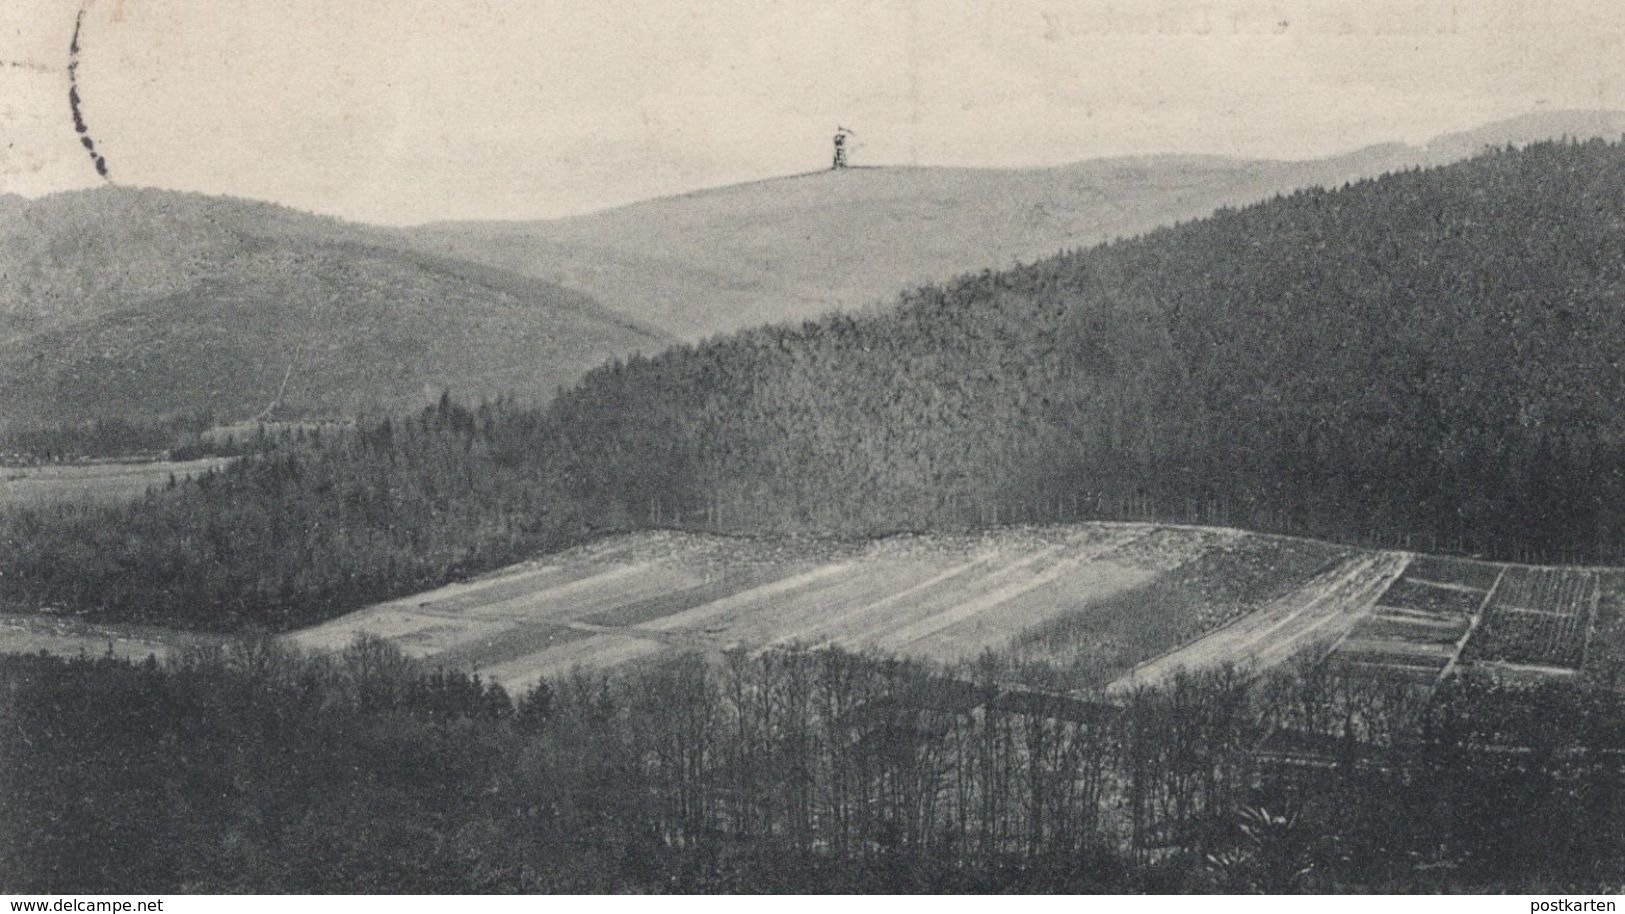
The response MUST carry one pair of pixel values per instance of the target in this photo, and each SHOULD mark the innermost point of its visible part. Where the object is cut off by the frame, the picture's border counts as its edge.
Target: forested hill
(140, 304)
(1434, 353)
(1431, 357)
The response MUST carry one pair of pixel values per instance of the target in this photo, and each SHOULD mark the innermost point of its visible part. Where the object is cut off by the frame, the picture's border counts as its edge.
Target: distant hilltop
(793, 248)
(136, 302)
(141, 304)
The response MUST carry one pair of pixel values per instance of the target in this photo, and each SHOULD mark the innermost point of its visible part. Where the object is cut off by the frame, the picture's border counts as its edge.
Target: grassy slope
(795, 248)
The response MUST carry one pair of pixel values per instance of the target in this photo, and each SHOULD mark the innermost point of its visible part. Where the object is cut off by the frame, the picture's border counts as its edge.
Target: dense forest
(1433, 355)
(311, 525)
(1427, 359)
(251, 768)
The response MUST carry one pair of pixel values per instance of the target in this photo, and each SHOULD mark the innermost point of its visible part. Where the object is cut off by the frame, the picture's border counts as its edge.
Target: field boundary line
(1395, 614)
(677, 639)
(711, 610)
(1472, 625)
(1136, 668)
(1591, 623)
(1378, 589)
(1376, 607)
(1538, 612)
(549, 594)
(993, 584)
(424, 599)
(1439, 651)
(1446, 585)
(947, 574)
(515, 573)
(1539, 668)
(936, 623)
(1337, 543)
(1230, 624)
(1339, 574)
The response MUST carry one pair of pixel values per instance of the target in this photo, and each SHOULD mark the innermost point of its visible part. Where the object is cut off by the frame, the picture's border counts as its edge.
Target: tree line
(1426, 357)
(251, 767)
(313, 525)
(100, 438)
(185, 437)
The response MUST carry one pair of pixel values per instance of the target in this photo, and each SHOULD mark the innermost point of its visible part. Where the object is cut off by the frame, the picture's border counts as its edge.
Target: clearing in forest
(1094, 604)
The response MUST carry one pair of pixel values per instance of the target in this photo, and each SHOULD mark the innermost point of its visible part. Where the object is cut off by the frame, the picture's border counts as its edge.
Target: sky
(403, 111)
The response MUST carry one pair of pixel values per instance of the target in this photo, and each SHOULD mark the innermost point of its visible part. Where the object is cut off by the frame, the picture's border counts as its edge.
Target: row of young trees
(100, 438)
(252, 768)
(185, 437)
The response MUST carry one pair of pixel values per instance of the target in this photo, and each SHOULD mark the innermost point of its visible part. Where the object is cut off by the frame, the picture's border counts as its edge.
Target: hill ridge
(119, 302)
(1293, 361)
(797, 247)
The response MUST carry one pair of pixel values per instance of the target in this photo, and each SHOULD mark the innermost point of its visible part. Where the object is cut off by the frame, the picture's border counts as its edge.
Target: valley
(1095, 555)
(1107, 605)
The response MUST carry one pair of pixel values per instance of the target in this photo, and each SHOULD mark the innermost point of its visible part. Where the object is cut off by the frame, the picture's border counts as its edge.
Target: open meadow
(101, 482)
